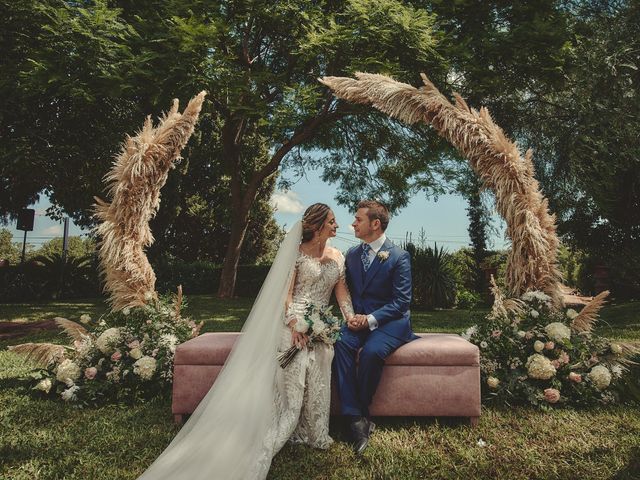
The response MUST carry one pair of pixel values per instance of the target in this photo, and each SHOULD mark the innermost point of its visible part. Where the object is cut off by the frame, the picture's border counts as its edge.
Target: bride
(255, 406)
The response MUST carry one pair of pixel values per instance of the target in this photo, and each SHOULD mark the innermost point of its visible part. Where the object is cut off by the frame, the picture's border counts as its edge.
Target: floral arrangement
(532, 352)
(125, 355)
(319, 324)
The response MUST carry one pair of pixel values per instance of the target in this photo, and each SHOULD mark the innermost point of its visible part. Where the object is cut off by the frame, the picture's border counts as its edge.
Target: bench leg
(178, 419)
(473, 421)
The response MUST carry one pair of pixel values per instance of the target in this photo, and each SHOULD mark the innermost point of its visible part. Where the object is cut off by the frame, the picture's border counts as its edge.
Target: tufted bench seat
(435, 375)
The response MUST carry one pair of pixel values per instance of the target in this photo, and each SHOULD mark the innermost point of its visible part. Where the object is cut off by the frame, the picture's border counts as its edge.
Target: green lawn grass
(45, 439)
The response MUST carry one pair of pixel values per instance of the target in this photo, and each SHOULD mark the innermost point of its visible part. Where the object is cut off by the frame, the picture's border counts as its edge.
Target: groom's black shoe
(361, 428)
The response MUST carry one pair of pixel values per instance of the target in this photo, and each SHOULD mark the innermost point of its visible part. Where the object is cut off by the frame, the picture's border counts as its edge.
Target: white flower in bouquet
(318, 327)
(470, 332)
(148, 295)
(600, 376)
(84, 346)
(315, 317)
(301, 326)
(540, 367)
(483, 344)
(145, 367)
(108, 339)
(571, 314)
(493, 382)
(538, 346)
(135, 353)
(126, 311)
(616, 349)
(170, 341)
(521, 333)
(535, 314)
(558, 331)
(44, 385)
(114, 375)
(617, 371)
(68, 372)
(85, 318)
(70, 393)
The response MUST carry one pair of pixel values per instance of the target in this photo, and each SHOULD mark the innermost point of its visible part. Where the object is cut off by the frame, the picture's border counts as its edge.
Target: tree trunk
(239, 225)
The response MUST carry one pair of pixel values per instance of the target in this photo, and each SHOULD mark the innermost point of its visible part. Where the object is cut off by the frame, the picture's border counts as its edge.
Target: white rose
(600, 376)
(301, 326)
(145, 367)
(558, 331)
(68, 372)
(616, 349)
(107, 340)
(85, 318)
(571, 314)
(540, 367)
(521, 333)
(493, 382)
(70, 393)
(535, 314)
(126, 311)
(135, 353)
(44, 385)
(538, 346)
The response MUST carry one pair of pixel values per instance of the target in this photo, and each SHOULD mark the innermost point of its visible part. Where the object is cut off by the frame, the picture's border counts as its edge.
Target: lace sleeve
(342, 290)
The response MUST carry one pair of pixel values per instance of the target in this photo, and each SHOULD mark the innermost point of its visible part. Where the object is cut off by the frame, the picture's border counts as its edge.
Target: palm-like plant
(433, 276)
(63, 274)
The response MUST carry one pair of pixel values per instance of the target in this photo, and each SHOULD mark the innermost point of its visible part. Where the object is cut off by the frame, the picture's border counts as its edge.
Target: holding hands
(357, 322)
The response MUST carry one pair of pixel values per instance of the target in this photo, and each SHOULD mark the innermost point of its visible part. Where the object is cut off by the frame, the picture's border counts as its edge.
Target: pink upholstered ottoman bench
(436, 375)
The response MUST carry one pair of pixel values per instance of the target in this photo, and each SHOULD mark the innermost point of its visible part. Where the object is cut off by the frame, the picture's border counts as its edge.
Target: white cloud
(54, 230)
(287, 202)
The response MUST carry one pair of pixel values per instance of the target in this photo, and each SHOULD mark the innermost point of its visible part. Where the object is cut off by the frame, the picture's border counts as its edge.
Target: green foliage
(9, 250)
(434, 283)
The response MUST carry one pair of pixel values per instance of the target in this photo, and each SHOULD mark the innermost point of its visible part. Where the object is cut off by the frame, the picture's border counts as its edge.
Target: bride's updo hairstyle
(313, 220)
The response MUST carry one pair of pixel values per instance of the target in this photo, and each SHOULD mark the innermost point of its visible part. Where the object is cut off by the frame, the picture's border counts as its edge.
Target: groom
(379, 278)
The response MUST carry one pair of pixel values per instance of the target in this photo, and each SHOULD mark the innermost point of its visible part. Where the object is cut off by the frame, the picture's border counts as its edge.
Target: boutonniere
(383, 256)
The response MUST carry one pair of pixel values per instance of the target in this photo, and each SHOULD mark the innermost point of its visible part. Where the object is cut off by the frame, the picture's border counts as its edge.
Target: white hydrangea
(540, 367)
(470, 332)
(145, 367)
(108, 339)
(571, 314)
(169, 340)
(558, 331)
(600, 376)
(318, 327)
(70, 393)
(535, 295)
(68, 372)
(44, 385)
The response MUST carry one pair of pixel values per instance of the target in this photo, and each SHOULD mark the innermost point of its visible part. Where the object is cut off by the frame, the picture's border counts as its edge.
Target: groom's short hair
(376, 210)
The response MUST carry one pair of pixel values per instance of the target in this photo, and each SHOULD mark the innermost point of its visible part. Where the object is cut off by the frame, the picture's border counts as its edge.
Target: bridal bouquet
(319, 324)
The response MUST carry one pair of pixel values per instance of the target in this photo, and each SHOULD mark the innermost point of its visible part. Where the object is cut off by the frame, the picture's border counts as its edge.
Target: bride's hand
(299, 339)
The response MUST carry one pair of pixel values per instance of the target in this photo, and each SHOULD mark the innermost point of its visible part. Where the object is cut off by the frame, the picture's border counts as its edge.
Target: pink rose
(116, 356)
(90, 373)
(496, 333)
(549, 345)
(575, 377)
(555, 363)
(551, 395)
(563, 357)
(134, 344)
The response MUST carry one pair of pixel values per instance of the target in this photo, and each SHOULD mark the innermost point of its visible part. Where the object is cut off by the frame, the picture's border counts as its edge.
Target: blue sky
(444, 221)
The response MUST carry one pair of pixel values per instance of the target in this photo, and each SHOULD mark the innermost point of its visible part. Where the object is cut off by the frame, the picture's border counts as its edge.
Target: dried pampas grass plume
(42, 354)
(134, 181)
(586, 319)
(532, 262)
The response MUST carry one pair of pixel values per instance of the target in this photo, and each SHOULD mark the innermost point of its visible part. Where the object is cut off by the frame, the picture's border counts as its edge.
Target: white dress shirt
(376, 245)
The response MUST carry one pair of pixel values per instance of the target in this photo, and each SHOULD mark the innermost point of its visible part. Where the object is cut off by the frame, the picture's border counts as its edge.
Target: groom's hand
(358, 322)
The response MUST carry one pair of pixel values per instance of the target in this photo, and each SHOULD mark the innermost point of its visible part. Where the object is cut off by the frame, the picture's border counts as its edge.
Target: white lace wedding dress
(255, 406)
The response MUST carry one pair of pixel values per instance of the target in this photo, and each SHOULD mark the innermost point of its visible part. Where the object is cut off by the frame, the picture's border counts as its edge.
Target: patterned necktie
(366, 263)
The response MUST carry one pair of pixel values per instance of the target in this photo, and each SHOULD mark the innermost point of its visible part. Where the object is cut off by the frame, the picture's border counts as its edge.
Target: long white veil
(224, 436)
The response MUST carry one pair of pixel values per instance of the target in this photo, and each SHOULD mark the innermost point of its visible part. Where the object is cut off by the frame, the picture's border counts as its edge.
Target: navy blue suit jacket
(384, 290)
